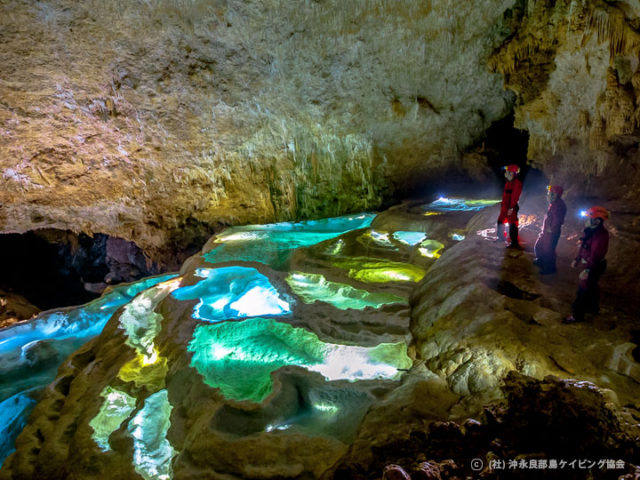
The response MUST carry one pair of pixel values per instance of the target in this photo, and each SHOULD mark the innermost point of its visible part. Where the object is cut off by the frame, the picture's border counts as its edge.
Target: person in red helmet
(509, 206)
(592, 264)
(545, 247)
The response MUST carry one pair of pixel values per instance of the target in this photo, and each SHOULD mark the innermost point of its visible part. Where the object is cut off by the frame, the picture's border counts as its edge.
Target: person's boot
(513, 236)
(500, 232)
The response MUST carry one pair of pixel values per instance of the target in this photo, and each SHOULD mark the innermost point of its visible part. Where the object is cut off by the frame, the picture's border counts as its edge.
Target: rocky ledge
(329, 350)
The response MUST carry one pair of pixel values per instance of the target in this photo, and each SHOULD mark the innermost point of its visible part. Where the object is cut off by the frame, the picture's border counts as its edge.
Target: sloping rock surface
(305, 359)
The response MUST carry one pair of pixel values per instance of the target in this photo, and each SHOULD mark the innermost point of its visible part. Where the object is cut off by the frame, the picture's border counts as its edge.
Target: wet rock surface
(490, 372)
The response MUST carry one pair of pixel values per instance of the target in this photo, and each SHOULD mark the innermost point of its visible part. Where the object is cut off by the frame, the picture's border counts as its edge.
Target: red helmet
(598, 212)
(512, 168)
(557, 189)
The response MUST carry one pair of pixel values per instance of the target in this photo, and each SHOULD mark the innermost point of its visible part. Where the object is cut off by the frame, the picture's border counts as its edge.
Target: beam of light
(239, 357)
(116, 408)
(233, 292)
(152, 452)
(315, 287)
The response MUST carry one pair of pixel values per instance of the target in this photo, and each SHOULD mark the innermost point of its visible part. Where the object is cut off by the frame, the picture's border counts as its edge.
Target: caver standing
(509, 207)
(590, 260)
(545, 248)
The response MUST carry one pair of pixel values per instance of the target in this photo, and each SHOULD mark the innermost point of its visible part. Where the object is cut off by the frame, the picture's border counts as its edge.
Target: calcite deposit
(159, 122)
(574, 68)
(407, 343)
(329, 349)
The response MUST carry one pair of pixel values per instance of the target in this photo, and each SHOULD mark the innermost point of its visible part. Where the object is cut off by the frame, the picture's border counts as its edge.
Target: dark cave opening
(55, 268)
(501, 145)
(504, 144)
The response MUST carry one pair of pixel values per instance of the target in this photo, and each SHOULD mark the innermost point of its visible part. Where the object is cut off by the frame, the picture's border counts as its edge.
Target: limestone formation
(14, 308)
(574, 67)
(159, 122)
(301, 358)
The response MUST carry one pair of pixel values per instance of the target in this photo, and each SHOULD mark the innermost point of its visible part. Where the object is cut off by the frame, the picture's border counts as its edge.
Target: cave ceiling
(161, 121)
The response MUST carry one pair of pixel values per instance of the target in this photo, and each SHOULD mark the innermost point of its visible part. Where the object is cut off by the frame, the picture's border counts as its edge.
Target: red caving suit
(510, 197)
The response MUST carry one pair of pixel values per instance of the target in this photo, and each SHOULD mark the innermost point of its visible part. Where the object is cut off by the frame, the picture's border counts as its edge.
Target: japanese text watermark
(478, 464)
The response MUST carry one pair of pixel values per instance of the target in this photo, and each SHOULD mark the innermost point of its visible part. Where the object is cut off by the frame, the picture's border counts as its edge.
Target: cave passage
(56, 268)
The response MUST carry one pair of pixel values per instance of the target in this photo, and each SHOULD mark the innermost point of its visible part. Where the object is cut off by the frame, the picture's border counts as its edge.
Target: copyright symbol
(477, 464)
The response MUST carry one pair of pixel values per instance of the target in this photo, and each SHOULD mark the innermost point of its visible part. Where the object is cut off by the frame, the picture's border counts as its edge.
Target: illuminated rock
(163, 152)
(409, 238)
(272, 244)
(232, 292)
(142, 325)
(31, 353)
(314, 287)
(115, 409)
(152, 452)
(431, 248)
(269, 386)
(143, 370)
(239, 357)
(139, 321)
(379, 239)
(373, 270)
(444, 204)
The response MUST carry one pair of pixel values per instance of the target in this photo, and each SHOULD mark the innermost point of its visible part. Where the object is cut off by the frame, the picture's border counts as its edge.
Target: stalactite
(610, 25)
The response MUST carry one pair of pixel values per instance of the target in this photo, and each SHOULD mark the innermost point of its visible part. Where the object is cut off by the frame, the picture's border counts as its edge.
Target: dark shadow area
(502, 144)
(55, 268)
(508, 289)
(552, 419)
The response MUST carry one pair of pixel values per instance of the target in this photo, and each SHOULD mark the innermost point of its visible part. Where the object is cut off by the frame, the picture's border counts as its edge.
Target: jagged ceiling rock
(574, 68)
(159, 121)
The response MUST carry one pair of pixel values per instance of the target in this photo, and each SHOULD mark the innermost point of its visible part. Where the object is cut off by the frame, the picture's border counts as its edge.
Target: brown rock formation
(481, 319)
(574, 68)
(158, 122)
(14, 308)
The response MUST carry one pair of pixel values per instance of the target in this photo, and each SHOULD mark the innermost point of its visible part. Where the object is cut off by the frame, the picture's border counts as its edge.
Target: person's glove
(574, 264)
(584, 275)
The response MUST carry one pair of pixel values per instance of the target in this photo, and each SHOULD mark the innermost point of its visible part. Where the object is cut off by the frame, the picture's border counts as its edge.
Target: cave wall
(159, 121)
(574, 68)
